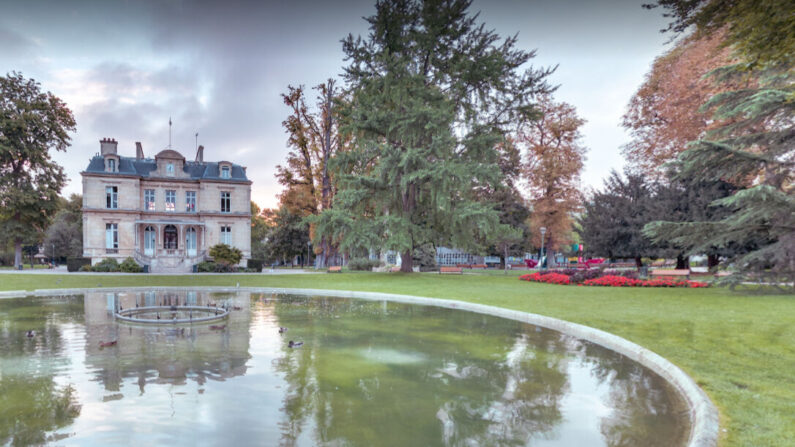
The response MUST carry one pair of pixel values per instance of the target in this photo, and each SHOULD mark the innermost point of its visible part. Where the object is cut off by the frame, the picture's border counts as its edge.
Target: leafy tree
(260, 226)
(31, 124)
(65, 234)
(555, 158)
(513, 235)
(288, 236)
(613, 219)
(314, 137)
(664, 115)
(432, 95)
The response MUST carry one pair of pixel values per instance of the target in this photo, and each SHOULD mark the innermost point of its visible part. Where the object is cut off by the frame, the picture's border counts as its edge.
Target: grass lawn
(739, 348)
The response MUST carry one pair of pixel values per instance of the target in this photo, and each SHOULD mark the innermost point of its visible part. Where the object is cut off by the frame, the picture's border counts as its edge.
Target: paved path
(61, 270)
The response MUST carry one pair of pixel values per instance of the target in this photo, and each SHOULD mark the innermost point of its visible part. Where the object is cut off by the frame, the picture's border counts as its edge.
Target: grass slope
(739, 348)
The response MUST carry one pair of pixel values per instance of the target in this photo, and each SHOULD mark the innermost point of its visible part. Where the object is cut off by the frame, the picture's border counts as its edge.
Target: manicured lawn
(739, 348)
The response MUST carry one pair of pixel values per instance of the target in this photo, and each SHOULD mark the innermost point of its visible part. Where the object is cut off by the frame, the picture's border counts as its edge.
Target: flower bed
(548, 277)
(621, 281)
(566, 277)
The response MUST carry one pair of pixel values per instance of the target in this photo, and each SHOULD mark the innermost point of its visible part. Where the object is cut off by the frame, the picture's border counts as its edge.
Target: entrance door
(190, 241)
(149, 241)
(170, 237)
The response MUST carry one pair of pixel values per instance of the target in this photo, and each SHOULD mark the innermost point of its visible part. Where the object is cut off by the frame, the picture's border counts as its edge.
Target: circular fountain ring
(132, 315)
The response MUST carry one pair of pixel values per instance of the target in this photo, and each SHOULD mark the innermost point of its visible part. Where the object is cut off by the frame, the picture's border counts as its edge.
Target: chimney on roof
(107, 146)
(139, 150)
(200, 154)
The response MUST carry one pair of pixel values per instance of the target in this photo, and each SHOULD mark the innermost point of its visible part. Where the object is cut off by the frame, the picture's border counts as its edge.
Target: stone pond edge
(704, 421)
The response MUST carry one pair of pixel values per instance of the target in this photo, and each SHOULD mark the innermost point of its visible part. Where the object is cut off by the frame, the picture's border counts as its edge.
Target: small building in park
(165, 212)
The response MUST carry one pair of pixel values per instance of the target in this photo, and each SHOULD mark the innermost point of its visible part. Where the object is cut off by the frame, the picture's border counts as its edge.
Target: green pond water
(369, 373)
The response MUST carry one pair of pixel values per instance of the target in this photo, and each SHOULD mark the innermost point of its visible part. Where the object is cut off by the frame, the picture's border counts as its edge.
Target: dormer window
(111, 164)
(170, 169)
(225, 172)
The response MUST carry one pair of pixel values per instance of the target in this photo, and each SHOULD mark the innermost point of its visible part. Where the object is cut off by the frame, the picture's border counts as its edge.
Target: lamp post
(52, 261)
(543, 232)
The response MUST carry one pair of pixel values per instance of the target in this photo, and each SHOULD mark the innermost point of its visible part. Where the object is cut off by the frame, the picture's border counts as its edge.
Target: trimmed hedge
(74, 264)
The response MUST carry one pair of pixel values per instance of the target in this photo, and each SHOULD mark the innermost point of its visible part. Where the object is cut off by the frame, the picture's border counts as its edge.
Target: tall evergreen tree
(31, 123)
(613, 219)
(432, 93)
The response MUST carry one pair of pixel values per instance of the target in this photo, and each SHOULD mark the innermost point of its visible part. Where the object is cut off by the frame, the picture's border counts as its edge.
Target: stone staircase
(170, 264)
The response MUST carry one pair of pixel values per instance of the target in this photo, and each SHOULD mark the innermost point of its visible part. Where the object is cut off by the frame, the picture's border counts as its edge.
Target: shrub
(363, 264)
(255, 265)
(205, 266)
(106, 265)
(224, 267)
(85, 268)
(75, 264)
(225, 253)
(130, 266)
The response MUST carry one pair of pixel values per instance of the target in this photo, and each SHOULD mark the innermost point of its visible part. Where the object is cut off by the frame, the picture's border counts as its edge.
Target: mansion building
(164, 212)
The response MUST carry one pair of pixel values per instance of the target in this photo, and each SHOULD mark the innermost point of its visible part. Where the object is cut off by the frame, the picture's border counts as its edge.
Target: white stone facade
(164, 212)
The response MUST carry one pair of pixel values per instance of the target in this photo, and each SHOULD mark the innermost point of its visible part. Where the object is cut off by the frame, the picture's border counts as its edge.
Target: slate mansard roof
(197, 170)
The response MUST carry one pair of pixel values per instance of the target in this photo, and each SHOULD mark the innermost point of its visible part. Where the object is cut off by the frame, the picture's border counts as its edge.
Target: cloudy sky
(218, 68)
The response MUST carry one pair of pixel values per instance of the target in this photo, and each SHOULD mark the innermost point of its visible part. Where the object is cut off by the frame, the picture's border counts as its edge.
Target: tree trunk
(406, 261)
(712, 262)
(638, 262)
(682, 262)
(17, 252)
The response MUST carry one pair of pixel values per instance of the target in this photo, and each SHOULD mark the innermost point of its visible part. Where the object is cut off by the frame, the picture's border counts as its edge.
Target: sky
(218, 69)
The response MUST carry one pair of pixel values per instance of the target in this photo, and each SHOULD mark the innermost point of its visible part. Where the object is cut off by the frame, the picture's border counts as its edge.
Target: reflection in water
(165, 354)
(369, 373)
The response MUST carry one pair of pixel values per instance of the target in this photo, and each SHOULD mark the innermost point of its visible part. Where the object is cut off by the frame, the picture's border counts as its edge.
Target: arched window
(170, 237)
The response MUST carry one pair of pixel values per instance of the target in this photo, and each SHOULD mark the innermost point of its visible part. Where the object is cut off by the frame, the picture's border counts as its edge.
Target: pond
(368, 373)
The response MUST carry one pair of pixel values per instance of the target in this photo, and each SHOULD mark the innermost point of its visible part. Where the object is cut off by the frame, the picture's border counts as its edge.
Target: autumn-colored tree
(314, 137)
(664, 114)
(554, 161)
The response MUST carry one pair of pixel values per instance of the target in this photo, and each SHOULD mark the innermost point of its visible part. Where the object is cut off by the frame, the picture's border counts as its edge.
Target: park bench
(671, 272)
(452, 270)
(464, 266)
(478, 266)
(395, 269)
(335, 269)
